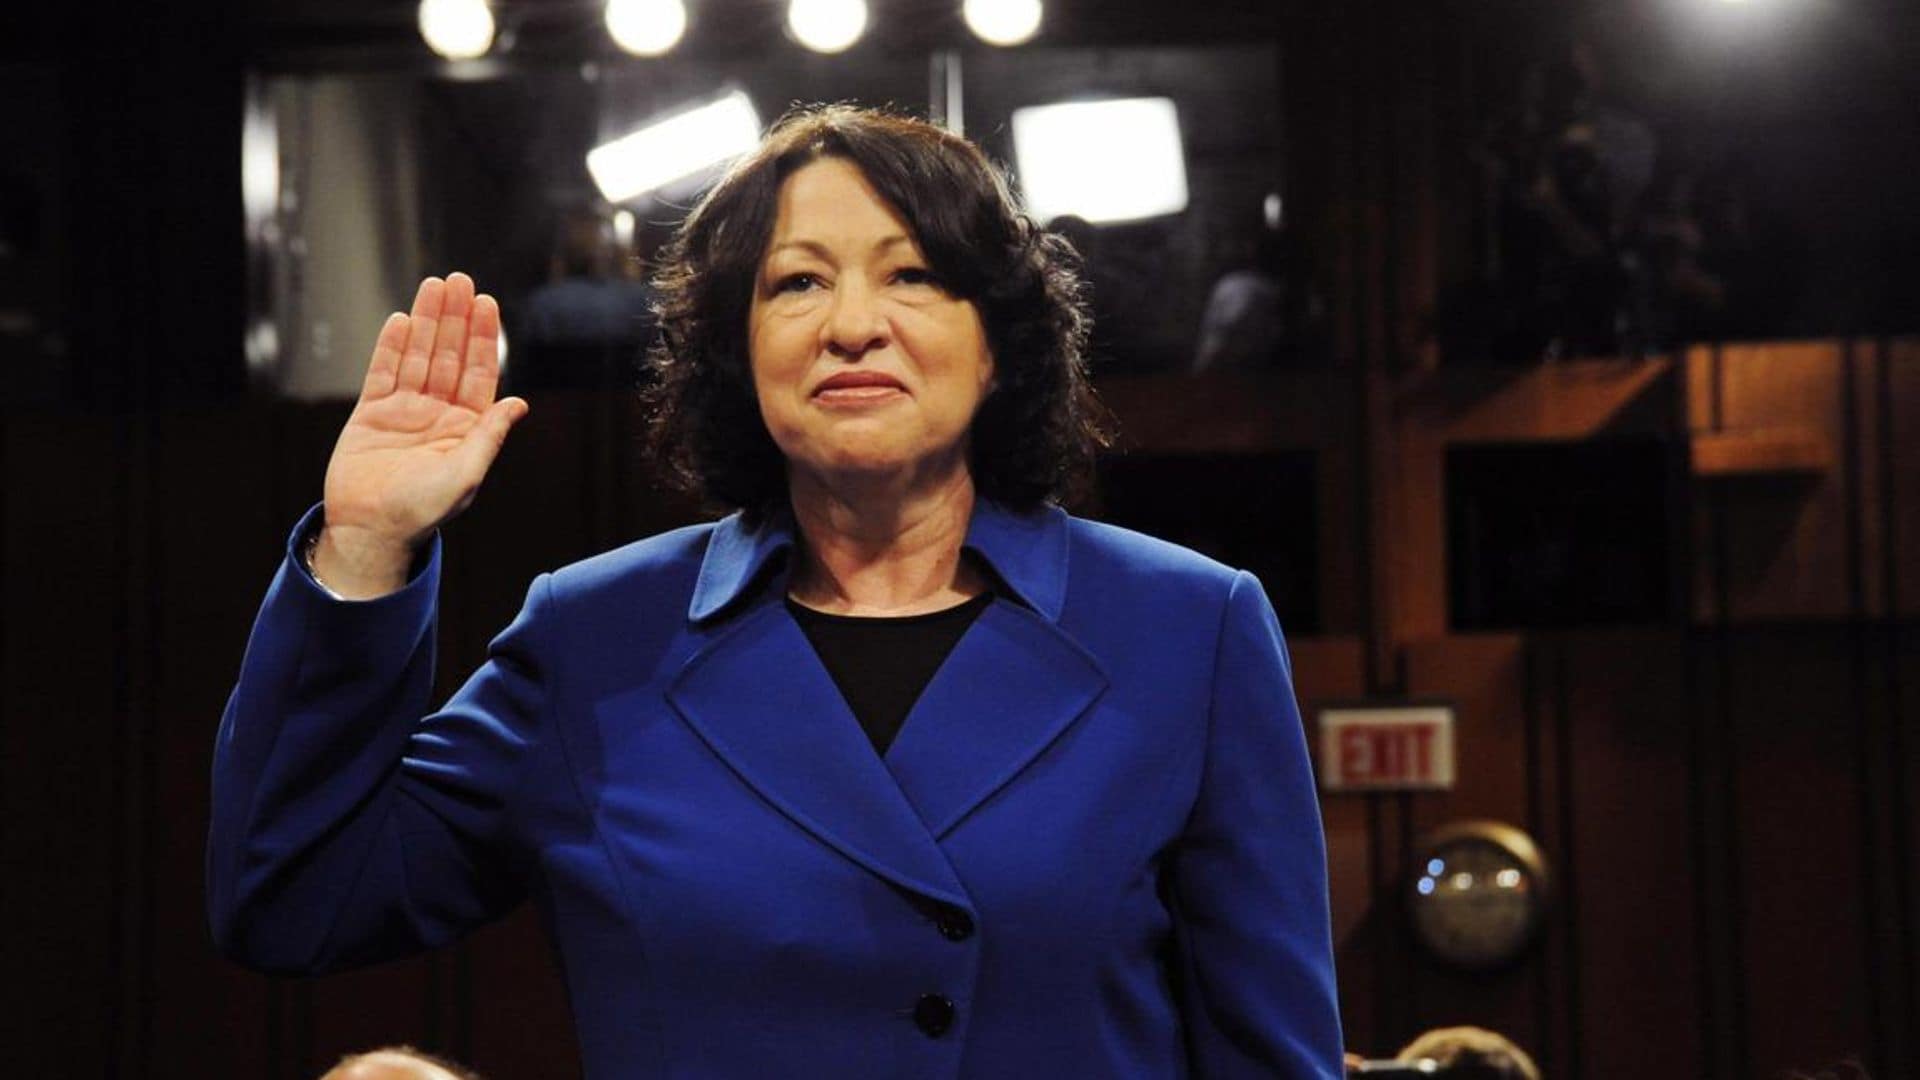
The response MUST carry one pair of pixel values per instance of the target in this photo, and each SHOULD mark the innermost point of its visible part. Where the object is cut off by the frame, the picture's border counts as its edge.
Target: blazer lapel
(760, 698)
(1006, 692)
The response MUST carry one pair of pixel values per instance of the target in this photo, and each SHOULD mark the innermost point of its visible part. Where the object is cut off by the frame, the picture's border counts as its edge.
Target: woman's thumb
(483, 443)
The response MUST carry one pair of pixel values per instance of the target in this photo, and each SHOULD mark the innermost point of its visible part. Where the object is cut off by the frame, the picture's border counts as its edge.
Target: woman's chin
(868, 465)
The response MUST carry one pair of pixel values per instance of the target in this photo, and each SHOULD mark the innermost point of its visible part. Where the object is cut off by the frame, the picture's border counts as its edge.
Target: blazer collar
(736, 558)
(756, 693)
(1028, 552)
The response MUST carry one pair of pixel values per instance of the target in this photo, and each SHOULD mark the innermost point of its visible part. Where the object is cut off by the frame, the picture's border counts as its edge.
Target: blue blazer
(1094, 849)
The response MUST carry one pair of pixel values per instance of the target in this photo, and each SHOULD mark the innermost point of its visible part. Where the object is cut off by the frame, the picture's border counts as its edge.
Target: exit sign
(1386, 748)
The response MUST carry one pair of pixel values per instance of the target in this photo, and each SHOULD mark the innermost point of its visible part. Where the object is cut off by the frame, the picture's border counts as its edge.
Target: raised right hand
(420, 440)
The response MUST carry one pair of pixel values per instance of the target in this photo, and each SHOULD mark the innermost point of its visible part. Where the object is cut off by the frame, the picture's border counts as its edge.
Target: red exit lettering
(1400, 753)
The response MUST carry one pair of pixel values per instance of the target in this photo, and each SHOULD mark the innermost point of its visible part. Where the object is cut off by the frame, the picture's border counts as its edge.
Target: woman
(1093, 848)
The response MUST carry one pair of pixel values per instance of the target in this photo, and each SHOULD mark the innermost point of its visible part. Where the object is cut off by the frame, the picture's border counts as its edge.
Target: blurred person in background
(1849, 1069)
(1119, 270)
(1723, 267)
(1243, 327)
(591, 318)
(1563, 174)
(1470, 1053)
(397, 1063)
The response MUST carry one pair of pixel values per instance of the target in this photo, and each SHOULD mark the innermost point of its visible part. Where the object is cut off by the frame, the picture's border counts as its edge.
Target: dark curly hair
(1036, 433)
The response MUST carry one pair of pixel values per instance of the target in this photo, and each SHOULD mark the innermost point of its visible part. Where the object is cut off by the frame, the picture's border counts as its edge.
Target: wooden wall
(135, 549)
(1727, 795)
(1727, 814)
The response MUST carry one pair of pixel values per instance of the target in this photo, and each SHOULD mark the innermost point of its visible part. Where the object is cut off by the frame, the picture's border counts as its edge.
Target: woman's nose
(854, 323)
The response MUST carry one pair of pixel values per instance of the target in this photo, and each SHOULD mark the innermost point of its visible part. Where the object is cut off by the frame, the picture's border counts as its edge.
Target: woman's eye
(795, 283)
(915, 275)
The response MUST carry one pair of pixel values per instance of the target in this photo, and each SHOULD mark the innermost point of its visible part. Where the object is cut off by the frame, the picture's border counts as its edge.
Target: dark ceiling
(557, 29)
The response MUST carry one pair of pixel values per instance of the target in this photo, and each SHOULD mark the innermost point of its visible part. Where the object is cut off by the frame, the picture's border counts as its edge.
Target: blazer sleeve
(346, 828)
(1252, 929)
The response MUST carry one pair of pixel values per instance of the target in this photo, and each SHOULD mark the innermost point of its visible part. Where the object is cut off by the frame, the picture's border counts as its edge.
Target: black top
(881, 664)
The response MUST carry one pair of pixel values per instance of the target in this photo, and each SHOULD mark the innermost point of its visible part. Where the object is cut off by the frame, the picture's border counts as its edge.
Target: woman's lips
(858, 396)
(860, 388)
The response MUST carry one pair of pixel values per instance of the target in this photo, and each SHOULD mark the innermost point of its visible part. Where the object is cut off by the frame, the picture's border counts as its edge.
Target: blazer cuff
(422, 574)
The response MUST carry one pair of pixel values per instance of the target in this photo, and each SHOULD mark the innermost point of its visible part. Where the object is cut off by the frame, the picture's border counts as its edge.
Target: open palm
(426, 427)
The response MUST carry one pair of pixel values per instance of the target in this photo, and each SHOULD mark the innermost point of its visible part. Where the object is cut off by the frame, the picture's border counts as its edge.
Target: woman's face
(863, 363)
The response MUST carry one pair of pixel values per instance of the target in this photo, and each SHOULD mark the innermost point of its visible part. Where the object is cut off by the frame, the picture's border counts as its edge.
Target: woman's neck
(871, 549)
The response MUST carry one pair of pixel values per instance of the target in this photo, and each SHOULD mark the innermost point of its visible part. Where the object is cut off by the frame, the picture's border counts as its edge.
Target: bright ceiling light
(1104, 161)
(259, 163)
(646, 27)
(1003, 22)
(675, 147)
(827, 26)
(457, 29)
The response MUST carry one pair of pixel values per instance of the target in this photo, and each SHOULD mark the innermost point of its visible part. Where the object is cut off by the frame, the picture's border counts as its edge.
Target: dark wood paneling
(1628, 881)
(213, 527)
(1884, 782)
(1795, 715)
(1868, 467)
(359, 1010)
(1226, 413)
(63, 735)
(1788, 556)
(518, 1023)
(1714, 828)
(1498, 758)
(1325, 670)
(1557, 991)
(1899, 407)
(1903, 856)
(1561, 402)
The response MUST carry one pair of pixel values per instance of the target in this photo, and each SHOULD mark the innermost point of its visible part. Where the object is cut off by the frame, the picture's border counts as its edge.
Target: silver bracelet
(307, 549)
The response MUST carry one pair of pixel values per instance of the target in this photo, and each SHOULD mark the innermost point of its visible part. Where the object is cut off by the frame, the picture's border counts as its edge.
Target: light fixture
(646, 27)
(1104, 161)
(457, 29)
(1002, 22)
(827, 26)
(262, 347)
(674, 147)
(259, 161)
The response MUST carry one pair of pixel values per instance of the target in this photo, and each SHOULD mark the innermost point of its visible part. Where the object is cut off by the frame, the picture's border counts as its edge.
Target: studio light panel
(1105, 161)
